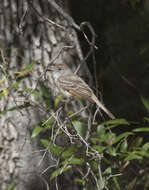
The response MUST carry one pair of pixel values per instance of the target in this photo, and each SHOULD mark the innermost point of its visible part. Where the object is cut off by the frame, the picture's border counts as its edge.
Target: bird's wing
(76, 86)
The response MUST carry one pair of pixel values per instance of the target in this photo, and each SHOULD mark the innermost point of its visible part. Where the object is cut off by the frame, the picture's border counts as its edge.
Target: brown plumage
(70, 84)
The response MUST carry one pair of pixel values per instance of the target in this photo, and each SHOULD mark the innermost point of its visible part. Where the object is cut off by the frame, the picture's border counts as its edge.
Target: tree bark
(41, 42)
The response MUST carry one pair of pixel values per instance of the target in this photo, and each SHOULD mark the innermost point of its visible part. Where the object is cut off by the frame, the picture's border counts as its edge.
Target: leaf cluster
(118, 152)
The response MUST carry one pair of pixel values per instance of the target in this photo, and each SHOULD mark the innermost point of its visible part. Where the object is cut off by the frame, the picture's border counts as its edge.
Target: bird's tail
(102, 107)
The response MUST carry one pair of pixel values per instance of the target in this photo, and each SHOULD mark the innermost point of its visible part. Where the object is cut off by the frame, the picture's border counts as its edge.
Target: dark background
(122, 58)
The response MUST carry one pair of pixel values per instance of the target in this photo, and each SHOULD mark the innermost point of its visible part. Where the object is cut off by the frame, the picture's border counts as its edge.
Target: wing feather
(75, 85)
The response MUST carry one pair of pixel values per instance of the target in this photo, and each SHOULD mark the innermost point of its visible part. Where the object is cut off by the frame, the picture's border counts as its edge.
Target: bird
(71, 85)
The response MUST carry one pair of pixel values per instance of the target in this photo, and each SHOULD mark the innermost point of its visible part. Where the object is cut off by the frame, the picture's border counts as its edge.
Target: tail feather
(102, 107)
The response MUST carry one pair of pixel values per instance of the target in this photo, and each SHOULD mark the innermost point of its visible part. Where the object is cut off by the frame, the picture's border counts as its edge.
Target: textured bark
(19, 163)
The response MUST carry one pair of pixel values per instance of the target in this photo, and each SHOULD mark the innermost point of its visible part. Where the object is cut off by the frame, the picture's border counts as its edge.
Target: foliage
(100, 159)
(105, 157)
(11, 187)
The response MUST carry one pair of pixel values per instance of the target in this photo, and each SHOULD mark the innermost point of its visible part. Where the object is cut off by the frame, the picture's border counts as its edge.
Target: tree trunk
(41, 42)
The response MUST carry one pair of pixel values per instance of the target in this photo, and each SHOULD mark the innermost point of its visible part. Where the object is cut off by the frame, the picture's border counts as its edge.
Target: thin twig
(91, 43)
(56, 57)
(100, 174)
(88, 171)
(78, 112)
(46, 183)
(45, 18)
(96, 180)
(48, 169)
(89, 126)
(22, 23)
(64, 14)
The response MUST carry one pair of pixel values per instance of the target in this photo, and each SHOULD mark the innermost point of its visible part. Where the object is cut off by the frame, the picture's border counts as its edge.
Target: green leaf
(1, 94)
(146, 146)
(70, 112)
(109, 138)
(111, 126)
(107, 171)
(57, 100)
(48, 124)
(15, 108)
(136, 142)
(45, 142)
(16, 84)
(104, 136)
(146, 118)
(123, 135)
(80, 127)
(100, 130)
(59, 171)
(133, 156)
(95, 140)
(69, 151)
(30, 66)
(94, 164)
(36, 131)
(76, 161)
(46, 95)
(116, 122)
(124, 146)
(112, 151)
(99, 148)
(145, 102)
(55, 149)
(82, 181)
(73, 161)
(10, 187)
(115, 180)
(143, 153)
(142, 129)
(32, 91)
(26, 70)
(44, 90)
